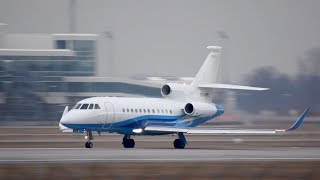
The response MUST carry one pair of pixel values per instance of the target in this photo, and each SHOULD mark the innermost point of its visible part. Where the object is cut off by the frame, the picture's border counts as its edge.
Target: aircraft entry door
(110, 115)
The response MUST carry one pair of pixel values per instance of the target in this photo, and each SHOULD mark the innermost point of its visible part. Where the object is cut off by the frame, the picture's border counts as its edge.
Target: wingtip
(297, 124)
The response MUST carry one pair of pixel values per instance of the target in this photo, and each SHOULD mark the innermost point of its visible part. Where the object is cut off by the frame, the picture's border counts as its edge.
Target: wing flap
(165, 129)
(208, 131)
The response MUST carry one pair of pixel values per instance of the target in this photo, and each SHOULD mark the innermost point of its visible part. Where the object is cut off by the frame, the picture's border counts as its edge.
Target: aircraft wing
(171, 129)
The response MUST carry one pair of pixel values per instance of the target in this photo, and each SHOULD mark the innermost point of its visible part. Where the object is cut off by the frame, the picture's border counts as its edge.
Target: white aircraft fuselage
(124, 115)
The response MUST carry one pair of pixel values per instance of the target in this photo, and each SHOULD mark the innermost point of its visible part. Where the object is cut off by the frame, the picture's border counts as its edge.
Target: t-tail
(204, 82)
(209, 70)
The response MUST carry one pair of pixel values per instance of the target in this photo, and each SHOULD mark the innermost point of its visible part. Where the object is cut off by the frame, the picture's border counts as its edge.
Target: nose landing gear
(89, 144)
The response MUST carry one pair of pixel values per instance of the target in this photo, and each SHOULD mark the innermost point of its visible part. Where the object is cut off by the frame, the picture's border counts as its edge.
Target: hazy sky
(168, 37)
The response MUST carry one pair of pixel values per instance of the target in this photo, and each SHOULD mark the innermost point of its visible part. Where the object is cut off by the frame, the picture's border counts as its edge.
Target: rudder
(209, 70)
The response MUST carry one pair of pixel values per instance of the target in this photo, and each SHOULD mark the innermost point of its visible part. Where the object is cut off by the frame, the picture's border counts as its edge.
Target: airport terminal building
(42, 73)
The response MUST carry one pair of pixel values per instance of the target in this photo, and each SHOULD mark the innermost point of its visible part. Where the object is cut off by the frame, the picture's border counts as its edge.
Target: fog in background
(272, 43)
(169, 37)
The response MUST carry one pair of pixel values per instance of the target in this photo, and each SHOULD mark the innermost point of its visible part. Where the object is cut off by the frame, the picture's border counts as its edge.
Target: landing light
(137, 130)
(86, 137)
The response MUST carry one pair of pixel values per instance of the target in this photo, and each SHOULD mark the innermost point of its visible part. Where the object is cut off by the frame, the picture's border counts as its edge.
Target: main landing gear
(89, 144)
(128, 142)
(181, 142)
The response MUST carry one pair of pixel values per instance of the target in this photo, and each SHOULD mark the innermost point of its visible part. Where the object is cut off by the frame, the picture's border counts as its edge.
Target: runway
(48, 144)
(47, 153)
(155, 155)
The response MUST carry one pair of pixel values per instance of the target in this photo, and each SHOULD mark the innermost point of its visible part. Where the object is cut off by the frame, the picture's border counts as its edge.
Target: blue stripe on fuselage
(137, 122)
(126, 126)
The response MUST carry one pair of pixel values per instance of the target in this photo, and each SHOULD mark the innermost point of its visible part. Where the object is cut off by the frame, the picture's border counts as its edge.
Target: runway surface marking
(141, 155)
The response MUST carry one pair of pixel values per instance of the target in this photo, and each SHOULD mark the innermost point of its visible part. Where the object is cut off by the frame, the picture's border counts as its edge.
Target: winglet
(299, 121)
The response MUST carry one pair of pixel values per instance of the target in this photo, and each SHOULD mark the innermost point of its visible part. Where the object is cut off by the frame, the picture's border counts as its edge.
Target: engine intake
(177, 91)
(188, 108)
(165, 90)
(199, 109)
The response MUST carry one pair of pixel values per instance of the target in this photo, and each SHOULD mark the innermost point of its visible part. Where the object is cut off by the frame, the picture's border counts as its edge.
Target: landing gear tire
(179, 144)
(89, 144)
(128, 143)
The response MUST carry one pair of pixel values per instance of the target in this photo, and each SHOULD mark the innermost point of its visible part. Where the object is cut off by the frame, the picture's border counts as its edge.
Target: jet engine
(199, 109)
(176, 90)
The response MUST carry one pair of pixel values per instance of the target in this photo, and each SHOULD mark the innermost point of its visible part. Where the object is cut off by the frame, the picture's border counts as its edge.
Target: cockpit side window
(77, 106)
(96, 106)
(84, 106)
(91, 106)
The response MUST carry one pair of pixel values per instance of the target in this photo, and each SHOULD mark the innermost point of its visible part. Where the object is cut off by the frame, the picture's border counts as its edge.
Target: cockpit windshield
(96, 106)
(77, 106)
(86, 106)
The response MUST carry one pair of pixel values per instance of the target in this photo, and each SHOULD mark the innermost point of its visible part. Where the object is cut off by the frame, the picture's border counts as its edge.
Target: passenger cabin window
(170, 111)
(136, 110)
(78, 106)
(96, 106)
(123, 110)
(144, 110)
(140, 111)
(84, 106)
(91, 106)
(128, 110)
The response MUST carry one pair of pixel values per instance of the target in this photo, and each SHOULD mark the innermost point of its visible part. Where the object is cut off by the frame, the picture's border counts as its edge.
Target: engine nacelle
(166, 90)
(176, 90)
(199, 109)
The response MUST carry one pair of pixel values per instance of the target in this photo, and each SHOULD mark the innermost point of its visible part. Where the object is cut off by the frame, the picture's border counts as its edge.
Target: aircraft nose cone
(64, 119)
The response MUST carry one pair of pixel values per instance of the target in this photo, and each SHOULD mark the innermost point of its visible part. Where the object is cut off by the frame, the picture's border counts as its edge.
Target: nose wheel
(128, 142)
(89, 144)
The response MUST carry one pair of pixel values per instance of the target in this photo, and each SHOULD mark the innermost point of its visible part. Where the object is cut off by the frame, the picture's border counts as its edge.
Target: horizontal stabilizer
(231, 86)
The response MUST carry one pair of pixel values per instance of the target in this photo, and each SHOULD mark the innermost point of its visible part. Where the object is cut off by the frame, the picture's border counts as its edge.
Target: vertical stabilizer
(208, 72)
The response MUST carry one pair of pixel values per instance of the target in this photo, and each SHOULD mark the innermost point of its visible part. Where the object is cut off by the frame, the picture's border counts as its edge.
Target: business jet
(181, 108)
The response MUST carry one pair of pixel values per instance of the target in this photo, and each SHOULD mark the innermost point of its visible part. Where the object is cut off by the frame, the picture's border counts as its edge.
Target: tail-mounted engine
(166, 90)
(199, 109)
(174, 90)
